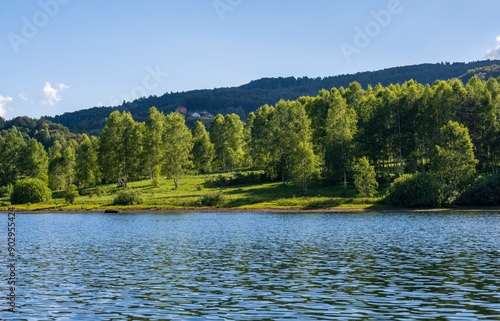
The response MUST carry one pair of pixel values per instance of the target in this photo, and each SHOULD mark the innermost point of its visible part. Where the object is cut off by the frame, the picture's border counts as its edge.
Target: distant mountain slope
(246, 98)
(483, 73)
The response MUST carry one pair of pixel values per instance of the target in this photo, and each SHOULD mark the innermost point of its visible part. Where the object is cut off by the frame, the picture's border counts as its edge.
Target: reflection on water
(258, 267)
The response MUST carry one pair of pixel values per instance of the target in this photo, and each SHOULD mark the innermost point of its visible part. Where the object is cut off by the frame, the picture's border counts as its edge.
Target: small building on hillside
(195, 115)
(181, 109)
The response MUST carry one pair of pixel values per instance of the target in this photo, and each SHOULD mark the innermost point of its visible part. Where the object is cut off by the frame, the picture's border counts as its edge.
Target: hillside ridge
(248, 97)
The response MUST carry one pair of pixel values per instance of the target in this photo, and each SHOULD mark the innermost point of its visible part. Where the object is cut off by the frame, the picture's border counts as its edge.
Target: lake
(255, 266)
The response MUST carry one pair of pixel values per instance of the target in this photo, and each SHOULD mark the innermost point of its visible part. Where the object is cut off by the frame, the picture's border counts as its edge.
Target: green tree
(290, 127)
(120, 147)
(68, 162)
(203, 150)
(233, 141)
(86, 166)
(178, 144)
(305, 165)
(217, 139)
(453, 162)
(12, 146)
(154, 148)
(35, 161)
(261, 136)
(364, 178)
(341, 128)
(248, 158)
(56, 179)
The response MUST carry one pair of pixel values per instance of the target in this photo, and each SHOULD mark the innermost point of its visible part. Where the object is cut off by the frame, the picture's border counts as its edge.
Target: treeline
(45, 131)
(357, 135)
(247, 98)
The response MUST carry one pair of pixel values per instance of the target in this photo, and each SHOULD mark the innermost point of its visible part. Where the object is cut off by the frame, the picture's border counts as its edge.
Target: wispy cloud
(3, 102)
(493, 53)
(51, 95)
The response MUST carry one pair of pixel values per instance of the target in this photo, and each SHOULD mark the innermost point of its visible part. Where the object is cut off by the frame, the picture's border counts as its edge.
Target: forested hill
(246, 98)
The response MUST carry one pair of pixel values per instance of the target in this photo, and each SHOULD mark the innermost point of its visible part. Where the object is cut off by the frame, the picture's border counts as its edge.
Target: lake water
(252, 266)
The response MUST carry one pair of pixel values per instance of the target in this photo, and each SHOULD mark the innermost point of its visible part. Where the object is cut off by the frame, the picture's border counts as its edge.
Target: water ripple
(258, 267)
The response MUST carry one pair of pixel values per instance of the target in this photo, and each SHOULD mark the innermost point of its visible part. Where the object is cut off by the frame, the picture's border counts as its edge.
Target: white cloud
(62, 86)
(493, 53)
(51, 95)
(3, 102)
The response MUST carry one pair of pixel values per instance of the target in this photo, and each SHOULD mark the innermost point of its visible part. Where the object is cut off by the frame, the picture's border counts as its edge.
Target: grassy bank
(240, 191)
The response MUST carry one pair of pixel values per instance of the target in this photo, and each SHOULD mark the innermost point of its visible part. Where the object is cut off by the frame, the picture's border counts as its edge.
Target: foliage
(340, 132)
(70, 194)
(203, 150)
(289, 131)
(30, 190)
(453, 162)
(86, 166)
(305, 165)
(154, 147)
(260, 92)
(178, 144)
(156, 176)
(12, 147)
(227, 137)
(36, 162)
(100, 191)
(6, 190)
(120, 147)
(364, 178)
(401, 128)
(128, 196)
(415, 190)
(484, 192)
(213, 199)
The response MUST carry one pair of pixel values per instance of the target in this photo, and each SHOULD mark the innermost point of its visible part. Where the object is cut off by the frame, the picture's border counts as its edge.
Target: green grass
(192, 188)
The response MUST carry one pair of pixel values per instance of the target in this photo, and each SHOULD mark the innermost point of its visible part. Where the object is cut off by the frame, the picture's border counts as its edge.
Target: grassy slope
(192, 188)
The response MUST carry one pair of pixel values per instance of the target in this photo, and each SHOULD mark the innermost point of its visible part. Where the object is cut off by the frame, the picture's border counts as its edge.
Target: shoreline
(292, 210)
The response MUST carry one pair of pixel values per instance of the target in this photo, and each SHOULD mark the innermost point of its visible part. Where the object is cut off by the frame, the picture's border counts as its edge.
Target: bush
(6, 190)
(100, 191)
(70, 194)
(156, 176)
(30, 190)
(246, 178)
(485, 191)
(415, 190)
(219, 181)
(128, 197)
(213, 199)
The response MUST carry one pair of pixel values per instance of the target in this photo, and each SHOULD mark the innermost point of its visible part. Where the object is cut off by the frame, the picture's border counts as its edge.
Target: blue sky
(65, 55)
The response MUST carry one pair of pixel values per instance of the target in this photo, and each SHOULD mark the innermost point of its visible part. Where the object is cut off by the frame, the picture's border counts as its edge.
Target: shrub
(213, 199)
(128, 197)
(415, 190)
(156, 176)
(100, 191)
(70, 194)
(246, 178)
(6, 190)
(485, 191)
(219, 181)
(30, 190)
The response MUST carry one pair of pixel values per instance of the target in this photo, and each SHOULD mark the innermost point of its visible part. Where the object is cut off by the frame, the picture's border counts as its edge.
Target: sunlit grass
(257, 195)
